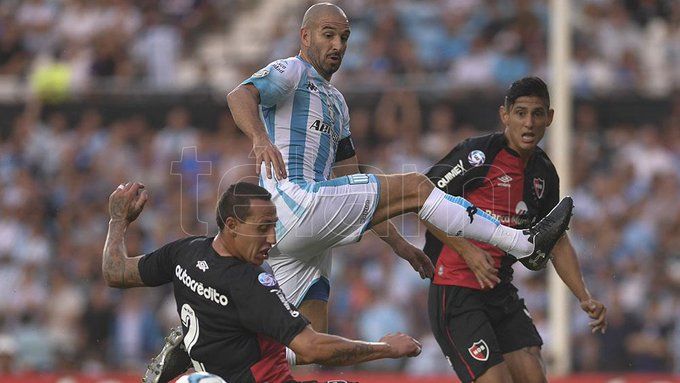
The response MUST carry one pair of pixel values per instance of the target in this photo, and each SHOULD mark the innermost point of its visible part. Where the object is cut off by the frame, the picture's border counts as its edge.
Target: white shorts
(313, 218)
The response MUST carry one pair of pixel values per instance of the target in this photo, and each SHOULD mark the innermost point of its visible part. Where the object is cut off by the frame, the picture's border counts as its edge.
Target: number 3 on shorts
(189, 320)
(358, 179)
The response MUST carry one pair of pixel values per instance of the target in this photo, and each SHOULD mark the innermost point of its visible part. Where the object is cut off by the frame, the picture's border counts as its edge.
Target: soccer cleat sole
(155, 369)
(541, 255)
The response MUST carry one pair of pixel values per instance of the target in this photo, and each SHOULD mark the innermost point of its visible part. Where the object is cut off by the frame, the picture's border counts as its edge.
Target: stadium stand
(58, 165)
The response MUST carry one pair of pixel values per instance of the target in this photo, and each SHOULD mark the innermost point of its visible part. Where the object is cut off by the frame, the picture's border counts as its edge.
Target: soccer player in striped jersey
(299, 124)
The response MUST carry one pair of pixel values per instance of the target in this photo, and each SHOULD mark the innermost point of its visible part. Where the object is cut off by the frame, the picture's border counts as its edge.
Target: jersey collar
(310, 66)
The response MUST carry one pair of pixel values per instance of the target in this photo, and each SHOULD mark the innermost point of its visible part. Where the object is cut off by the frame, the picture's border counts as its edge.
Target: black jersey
(235, 318)
(494, 178)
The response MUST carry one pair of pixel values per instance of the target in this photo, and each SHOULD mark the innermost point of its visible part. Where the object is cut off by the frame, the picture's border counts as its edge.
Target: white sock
(290, 357)
(513, 241)
(456, 216)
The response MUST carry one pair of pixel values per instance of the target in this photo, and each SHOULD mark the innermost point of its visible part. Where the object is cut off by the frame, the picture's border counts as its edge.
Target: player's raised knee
(419, 185)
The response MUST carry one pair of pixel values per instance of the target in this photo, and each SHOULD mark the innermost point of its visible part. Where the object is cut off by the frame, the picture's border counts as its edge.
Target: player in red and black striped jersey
(236, 321)
(481, 324)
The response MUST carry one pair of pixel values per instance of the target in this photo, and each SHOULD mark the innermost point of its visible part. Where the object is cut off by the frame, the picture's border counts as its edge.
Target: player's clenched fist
(127, 201)
(402, 345)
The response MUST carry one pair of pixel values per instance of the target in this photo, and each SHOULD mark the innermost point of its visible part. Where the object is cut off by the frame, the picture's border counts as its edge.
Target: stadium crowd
(618, 45)
(56, 175)
(57, 172)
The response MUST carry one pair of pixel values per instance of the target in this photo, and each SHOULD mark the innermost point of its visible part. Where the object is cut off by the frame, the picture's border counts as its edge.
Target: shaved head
(323, 38)
(318, 11)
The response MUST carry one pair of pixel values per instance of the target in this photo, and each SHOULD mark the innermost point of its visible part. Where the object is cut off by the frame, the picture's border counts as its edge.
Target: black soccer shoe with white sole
(172, 361)
(545, 234)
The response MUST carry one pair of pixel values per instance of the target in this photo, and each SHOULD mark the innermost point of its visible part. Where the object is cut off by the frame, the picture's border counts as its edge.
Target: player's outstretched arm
(331, 350)
(567, 267)
(125, 205)
(243, 102)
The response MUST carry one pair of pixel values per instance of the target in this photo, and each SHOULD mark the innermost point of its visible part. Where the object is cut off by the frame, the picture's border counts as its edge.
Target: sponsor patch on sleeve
(266, 279)
(260, 73)
(476, 158)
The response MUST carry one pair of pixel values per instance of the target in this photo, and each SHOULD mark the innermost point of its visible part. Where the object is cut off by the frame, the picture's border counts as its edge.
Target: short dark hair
(235, 202)
(527, 86)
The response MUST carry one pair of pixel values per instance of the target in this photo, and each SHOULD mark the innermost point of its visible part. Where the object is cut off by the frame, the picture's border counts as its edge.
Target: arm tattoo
(117, 209)
(118, 269)
(357, 353)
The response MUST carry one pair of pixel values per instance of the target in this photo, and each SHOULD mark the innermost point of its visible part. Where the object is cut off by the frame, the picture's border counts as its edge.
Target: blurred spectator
(135, 331)
(55, 175)
(157, 47)
(97, 322)
(58, 167)
(618, 45)
(8, 351)
(14, 57)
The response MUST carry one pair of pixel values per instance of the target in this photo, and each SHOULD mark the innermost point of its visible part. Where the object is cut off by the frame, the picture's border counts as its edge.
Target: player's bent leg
(455, 216)
(463, 330)
(497, 374)
(516, 334)
(526, 365)
(316, 311)
(314, 305)
(400, 194)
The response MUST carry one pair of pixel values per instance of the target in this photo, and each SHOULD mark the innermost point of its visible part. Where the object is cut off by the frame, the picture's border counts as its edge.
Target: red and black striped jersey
(494, 178)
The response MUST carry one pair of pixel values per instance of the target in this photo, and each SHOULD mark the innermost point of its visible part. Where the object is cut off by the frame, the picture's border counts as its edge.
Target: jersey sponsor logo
(539, 187)
(513, 220)
(322, 127)
(441, 270)
(476, 158)
(453, 173)
(521, 208)
(202, 265)
(266, 279)
(286, 304)
(479, 350)
(260, 73)
(280, 66)
(505, 181)
(206, 292)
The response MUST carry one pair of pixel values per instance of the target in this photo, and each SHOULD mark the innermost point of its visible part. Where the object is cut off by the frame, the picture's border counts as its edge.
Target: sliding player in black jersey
(235, 318)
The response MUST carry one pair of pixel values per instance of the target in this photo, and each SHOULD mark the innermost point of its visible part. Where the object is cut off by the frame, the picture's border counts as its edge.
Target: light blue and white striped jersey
(305, 116)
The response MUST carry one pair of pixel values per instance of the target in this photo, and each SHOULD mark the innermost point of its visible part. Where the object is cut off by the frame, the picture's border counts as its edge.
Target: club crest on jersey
(476, 158)
(479, 350)
(266, 279)
(202, 265)
(539, 187)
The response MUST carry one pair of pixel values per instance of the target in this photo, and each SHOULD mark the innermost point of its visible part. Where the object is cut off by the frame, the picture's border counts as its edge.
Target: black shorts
(474, 328)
